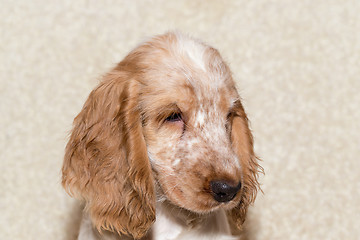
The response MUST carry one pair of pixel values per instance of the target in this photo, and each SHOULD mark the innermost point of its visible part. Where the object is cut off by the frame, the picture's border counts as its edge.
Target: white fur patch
(194, 50)
(200, 119)
(176, 162)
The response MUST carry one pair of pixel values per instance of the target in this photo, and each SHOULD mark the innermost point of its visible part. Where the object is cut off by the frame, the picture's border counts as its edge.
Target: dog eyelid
(174, 117)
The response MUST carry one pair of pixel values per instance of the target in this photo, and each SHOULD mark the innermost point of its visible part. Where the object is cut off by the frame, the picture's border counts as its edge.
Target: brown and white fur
(162, 148)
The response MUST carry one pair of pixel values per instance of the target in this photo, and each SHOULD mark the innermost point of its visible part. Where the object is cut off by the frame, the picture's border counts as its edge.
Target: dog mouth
(209, 204)
(206, 201)
(201, 195)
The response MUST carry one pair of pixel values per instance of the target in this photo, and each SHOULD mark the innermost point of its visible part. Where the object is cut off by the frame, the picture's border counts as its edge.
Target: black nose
(223, 191)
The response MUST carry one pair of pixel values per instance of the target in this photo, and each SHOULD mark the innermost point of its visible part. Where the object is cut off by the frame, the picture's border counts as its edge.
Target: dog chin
(213, 207)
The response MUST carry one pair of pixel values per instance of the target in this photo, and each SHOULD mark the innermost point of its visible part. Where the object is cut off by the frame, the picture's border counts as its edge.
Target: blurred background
(297, 67)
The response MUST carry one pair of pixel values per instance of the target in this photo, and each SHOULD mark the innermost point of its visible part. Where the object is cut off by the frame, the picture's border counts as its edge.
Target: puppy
(162, 147)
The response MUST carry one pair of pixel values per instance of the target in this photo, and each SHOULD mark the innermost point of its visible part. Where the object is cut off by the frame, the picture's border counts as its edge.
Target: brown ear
(106, 160)
(242, 142)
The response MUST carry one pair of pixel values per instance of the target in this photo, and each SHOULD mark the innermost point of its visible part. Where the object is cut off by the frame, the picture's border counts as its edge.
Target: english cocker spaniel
(161, 149)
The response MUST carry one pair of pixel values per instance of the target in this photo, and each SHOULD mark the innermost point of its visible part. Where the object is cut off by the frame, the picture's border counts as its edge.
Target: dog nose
(222, 191)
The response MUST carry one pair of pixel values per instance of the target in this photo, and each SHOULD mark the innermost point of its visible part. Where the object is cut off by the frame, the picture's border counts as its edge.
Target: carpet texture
(297, 65)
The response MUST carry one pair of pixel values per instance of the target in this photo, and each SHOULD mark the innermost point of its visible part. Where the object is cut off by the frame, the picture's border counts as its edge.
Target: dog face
(187, 121)
(167, 116)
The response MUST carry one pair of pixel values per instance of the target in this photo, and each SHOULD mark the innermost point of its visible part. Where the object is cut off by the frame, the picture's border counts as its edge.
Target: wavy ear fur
(106, 161)
(242, 142)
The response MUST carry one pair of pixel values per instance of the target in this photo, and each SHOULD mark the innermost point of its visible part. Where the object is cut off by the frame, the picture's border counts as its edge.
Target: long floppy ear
(242, 143)
(106, 161)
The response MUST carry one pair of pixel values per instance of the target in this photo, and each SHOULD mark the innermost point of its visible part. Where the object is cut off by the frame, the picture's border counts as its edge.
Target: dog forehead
(200, 67)
(181, 69)
(193, 50)
(174, 53)
(202, 64)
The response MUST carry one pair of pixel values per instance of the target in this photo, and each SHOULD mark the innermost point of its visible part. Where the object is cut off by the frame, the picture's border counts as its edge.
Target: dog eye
(174, 117)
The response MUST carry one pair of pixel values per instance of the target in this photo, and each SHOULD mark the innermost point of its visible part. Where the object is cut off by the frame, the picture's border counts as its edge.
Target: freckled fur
(124, 160)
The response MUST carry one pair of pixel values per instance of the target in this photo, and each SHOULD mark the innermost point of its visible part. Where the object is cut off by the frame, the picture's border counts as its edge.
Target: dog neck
(172, 223)
(175, 223)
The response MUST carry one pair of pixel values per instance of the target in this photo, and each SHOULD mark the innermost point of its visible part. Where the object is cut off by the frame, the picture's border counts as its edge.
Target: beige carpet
(298, 69)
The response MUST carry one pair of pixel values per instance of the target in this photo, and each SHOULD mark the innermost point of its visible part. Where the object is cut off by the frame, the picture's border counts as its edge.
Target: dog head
(168, 115)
